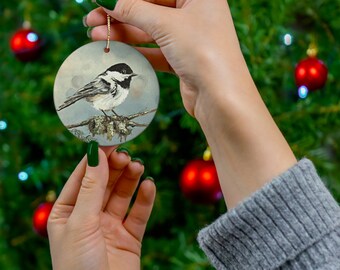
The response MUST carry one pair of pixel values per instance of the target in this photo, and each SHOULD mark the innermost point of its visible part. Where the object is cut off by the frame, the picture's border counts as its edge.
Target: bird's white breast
(107, 102)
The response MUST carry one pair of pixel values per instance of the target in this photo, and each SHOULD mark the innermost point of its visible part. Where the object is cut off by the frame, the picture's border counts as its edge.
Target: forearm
(247, 146)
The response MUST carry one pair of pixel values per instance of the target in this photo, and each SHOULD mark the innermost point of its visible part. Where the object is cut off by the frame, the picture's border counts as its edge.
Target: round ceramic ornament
(106, 95)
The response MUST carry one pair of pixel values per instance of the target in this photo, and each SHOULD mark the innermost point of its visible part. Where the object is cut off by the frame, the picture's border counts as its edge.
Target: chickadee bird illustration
(107, 91)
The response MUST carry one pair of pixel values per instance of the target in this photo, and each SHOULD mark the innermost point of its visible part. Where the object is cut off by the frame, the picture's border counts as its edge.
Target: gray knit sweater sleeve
(291, 223)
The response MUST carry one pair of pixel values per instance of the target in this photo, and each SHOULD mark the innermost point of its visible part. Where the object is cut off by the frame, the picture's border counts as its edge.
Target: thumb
(142, 14)
(91, 194)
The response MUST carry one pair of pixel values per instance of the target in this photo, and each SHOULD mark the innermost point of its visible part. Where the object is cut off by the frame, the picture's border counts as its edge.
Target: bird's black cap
(121, 67)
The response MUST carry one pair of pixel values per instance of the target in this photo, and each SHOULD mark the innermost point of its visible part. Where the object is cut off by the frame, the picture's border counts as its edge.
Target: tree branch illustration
(111, 125)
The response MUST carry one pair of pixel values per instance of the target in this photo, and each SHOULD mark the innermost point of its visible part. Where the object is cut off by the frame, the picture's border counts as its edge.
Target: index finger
(69, 193)
(98, 16)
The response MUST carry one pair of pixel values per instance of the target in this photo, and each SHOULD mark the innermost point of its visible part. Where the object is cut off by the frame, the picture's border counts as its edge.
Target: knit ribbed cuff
(275, 224)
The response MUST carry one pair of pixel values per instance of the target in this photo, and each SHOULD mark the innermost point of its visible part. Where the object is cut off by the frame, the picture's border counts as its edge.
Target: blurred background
(292, 50)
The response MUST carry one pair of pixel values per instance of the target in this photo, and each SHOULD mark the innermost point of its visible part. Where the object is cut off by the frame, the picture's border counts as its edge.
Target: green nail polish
(108, 4)
(88, 32)
(123, 150)
(150, 178)
(85, 21)
(92, 154)
(138, 160)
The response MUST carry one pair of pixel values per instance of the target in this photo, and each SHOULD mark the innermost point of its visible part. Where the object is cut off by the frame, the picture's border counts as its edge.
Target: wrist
(248, 148)
(222, 85)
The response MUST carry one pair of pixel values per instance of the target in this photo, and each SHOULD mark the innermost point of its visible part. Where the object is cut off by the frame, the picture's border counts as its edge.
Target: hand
(88, 227)
(197, 40)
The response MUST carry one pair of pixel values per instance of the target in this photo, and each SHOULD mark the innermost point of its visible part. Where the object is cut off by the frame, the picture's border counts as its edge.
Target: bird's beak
(134, 74)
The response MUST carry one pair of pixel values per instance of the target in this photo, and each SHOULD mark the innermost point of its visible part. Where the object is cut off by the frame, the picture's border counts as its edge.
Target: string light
(22, 176)
(32, 37)
(79, 1)
(3, 124)
(288, 39)
(303, 91)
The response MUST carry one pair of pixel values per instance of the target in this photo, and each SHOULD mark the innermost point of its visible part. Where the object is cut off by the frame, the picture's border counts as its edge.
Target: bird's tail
(69, 102)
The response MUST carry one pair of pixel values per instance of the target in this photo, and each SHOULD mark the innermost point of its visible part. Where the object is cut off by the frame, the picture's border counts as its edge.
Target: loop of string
(107, 48)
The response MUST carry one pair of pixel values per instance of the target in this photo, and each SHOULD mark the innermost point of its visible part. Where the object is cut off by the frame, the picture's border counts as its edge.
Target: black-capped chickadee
(107, 91)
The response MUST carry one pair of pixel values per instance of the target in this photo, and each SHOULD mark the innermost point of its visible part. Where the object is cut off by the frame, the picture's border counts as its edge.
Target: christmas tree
(37, 153)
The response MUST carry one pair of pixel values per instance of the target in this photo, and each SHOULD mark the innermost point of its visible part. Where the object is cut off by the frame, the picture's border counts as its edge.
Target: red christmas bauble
(40, 218)
(312, 73)
(26, 44)
(199, 182)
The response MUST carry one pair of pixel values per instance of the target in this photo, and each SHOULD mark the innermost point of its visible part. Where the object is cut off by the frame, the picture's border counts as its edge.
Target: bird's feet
(114, 113)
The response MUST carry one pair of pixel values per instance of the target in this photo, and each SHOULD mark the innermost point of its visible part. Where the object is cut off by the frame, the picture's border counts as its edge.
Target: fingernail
(150, 178)
(123, 150)
(88, 33)
(92, 154)
(108, 4)
(138, 160)
(85, 21)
